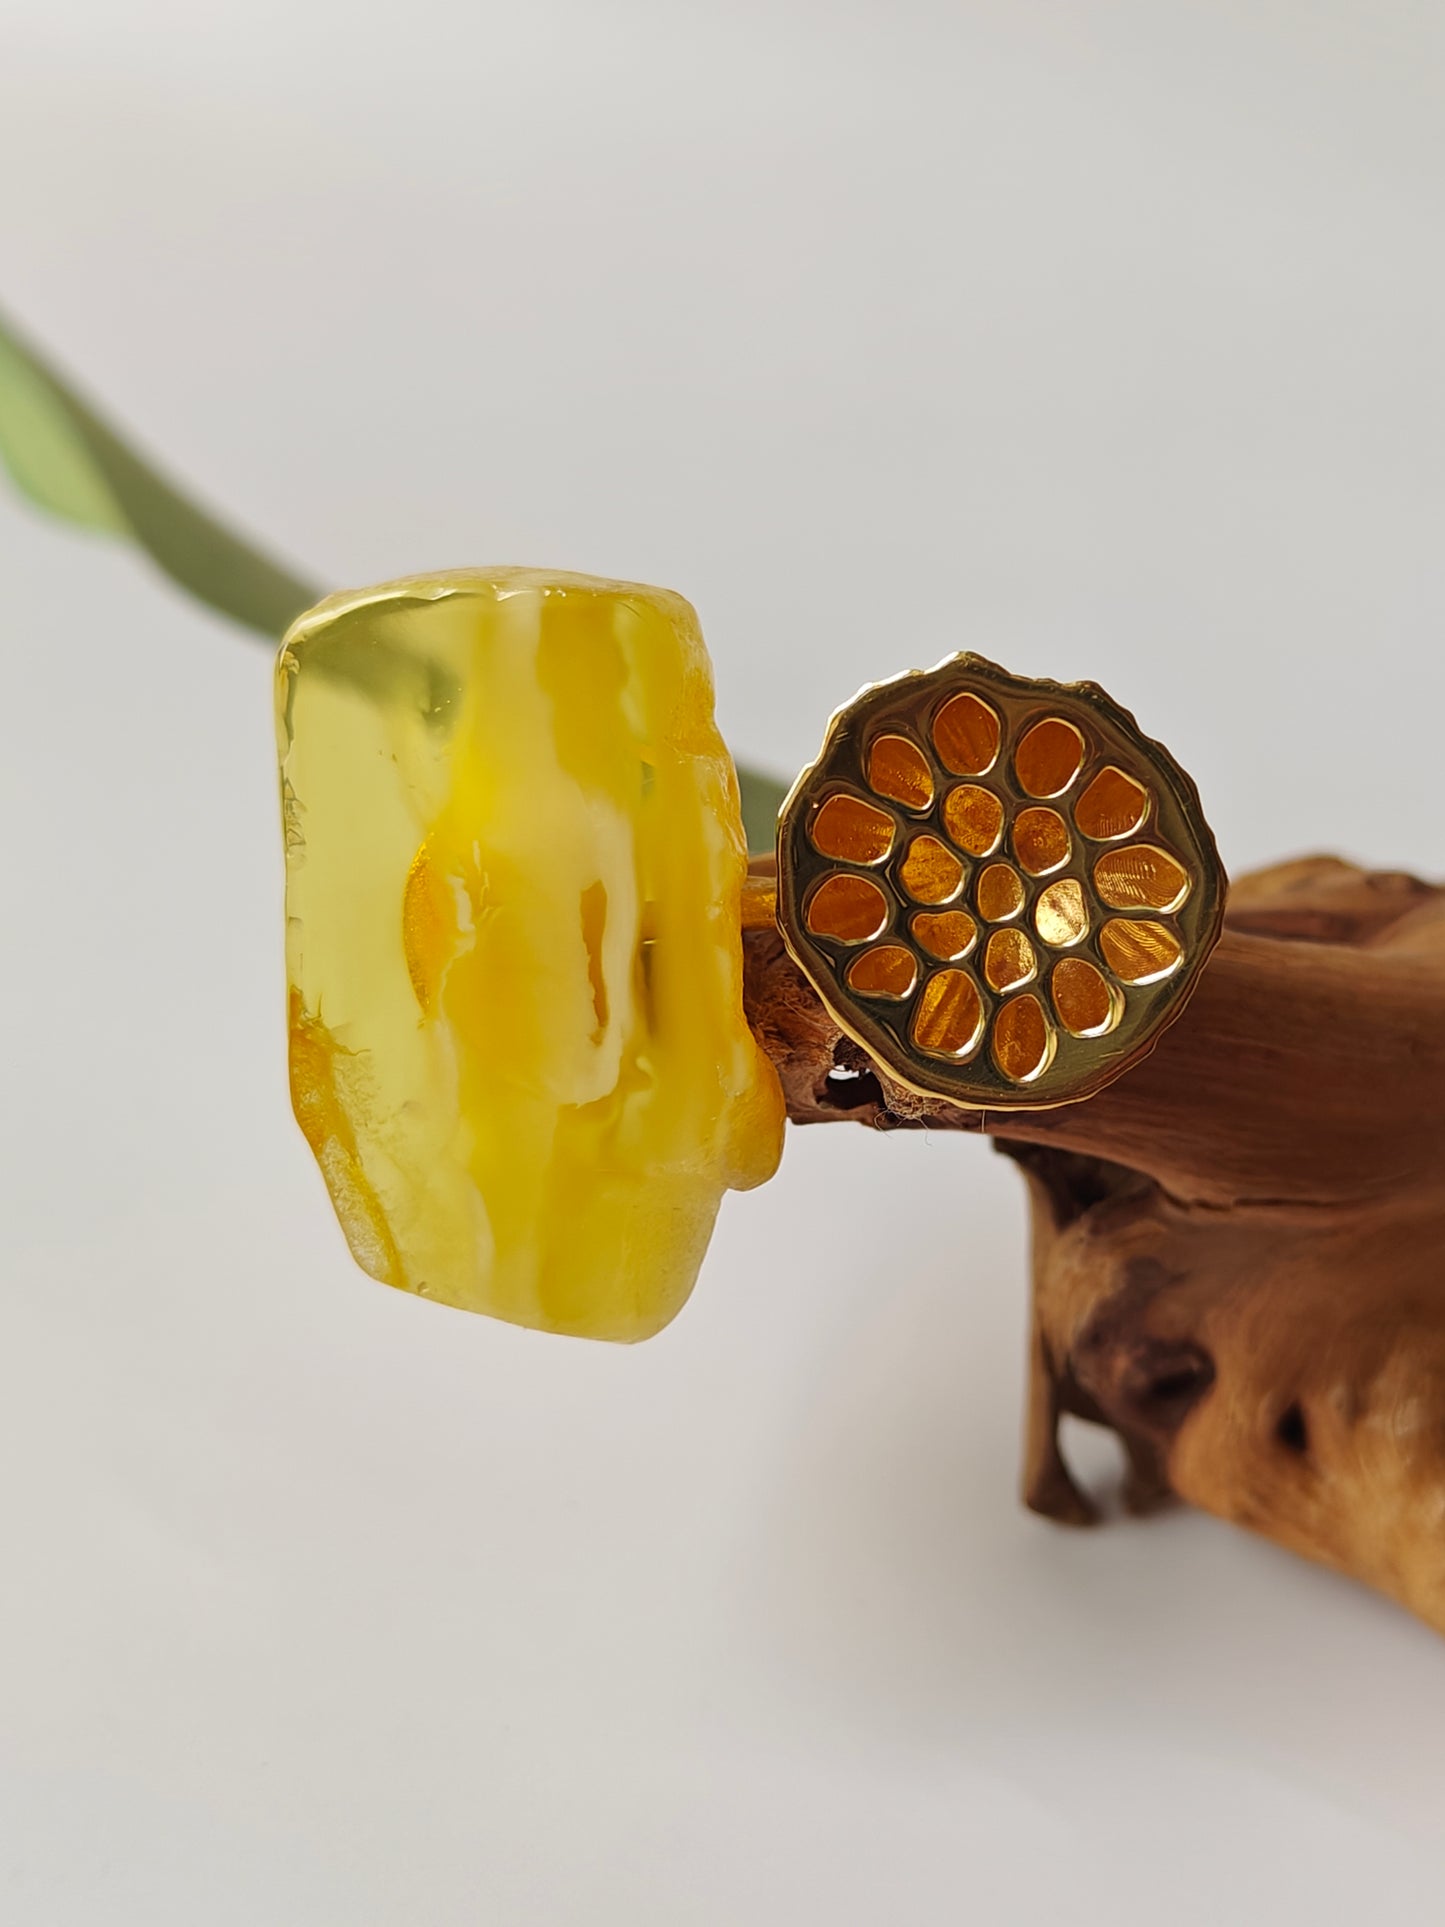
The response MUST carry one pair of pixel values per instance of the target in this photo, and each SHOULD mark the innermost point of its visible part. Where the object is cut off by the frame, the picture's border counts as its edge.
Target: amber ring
(517, 883)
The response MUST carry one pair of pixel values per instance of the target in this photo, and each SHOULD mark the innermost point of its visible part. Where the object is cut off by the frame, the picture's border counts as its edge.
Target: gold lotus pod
(999, 887)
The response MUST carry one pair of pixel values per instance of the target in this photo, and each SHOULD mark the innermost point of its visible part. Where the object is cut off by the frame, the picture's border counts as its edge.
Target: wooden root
(1239, 1247)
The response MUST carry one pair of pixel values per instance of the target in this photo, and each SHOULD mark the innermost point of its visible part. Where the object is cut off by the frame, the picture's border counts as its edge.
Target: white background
(1104, 337)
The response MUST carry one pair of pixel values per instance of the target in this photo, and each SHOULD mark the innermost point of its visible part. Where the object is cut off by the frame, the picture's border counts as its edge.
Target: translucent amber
(966, 735)
(1086, 1005)
(999, 893)
(949, 1019)
(930, 872)
(1113, 805)
(1141, 877)
(847, 908)
(1022, 1041)
(974, 819)
(898, 769)
(1140, 953)
(1041, 841)
(946, 934)
(514, 860)
(1049, 757)
(1009, 960)
(1060, 915)
(888, 971)
(853, 831)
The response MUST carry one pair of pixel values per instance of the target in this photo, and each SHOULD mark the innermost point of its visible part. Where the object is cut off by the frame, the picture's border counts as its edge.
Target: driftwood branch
(1239, 1247)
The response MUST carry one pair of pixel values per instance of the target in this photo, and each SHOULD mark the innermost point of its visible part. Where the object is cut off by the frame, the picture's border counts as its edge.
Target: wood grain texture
(1239, 1247)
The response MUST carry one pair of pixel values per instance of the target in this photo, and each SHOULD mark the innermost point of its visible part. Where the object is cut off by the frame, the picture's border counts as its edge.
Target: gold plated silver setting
(999, 887)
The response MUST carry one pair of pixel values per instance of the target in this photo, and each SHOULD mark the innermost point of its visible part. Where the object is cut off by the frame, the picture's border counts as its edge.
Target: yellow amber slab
(514, 861)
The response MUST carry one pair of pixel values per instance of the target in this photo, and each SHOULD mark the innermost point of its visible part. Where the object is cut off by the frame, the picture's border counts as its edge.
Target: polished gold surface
(759, 906)
(1014, 939)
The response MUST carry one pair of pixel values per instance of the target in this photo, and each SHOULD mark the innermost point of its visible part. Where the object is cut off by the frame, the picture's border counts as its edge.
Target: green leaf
(762, 799)
(68, 459)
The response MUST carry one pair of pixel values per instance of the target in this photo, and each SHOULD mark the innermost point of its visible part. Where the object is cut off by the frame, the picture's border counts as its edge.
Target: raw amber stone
(514, 859)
